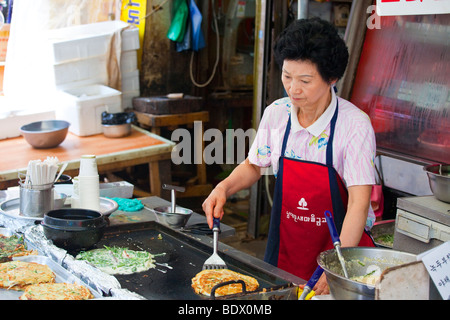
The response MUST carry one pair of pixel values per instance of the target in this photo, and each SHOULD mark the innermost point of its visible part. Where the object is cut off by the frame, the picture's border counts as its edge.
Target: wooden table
(197, 186)
(140, 147)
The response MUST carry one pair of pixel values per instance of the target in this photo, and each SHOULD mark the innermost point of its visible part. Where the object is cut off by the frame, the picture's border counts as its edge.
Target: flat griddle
(182, 252)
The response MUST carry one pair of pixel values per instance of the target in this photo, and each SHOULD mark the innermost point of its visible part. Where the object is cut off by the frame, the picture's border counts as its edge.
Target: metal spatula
(214, 261)
(336, 241)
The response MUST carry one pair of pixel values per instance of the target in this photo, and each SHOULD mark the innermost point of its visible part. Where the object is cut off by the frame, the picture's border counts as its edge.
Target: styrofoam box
(118, 189)
(130, 81)
(79, 70)
(90, 40)
(128, 61)
(83, 106)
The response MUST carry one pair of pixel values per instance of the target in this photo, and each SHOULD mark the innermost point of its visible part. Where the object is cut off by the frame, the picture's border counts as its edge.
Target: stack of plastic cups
(88, 184)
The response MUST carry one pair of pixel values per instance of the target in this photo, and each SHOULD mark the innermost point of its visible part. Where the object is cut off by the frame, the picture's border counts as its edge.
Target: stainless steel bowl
(60, 199)
(176, 219)
(357, 260)
(116, 130)
(383, 233)
(439, 179)
(45, 134)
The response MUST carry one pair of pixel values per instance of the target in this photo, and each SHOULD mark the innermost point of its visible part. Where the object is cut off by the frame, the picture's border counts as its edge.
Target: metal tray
(183, 258)
(11, 207)
(6, 232)
(62, 275)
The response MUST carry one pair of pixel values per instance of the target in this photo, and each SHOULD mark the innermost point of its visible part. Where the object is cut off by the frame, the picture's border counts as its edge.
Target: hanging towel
(177, 27)
(198, 41)
(186, 44)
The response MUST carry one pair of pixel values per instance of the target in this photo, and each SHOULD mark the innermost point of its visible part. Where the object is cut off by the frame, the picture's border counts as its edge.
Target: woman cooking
(321, 148)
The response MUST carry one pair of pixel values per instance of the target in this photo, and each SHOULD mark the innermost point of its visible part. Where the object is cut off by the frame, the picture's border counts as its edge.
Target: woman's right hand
(213, 205)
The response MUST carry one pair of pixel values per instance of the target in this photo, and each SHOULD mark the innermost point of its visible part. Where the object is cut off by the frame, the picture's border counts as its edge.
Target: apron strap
(286, 136)
(271, 256)
(338, 205)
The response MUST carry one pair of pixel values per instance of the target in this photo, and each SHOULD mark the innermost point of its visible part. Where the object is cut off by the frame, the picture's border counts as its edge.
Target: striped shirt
(354, 147)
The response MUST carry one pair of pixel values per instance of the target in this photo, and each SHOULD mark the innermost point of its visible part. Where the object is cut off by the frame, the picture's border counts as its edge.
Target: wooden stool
(154, 123)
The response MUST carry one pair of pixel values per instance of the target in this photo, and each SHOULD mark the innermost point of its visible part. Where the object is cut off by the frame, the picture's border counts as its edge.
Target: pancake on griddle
(205, 280)
(118, 260)
(56, 291)
(17, 275)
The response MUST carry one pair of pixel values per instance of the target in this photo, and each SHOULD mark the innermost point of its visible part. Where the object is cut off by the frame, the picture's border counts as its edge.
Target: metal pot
(74, 229)
(357, 259)
(439, 179)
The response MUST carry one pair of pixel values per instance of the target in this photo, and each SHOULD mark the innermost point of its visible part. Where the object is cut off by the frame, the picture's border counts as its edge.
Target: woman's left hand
(321, 286)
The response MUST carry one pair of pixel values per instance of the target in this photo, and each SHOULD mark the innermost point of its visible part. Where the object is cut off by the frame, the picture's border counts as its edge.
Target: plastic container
(84, 106)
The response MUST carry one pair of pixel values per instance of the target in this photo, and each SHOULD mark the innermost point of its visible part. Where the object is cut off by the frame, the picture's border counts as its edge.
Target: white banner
(412, 7)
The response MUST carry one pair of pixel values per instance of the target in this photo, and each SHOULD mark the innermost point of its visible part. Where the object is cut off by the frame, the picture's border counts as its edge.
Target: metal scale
(422, 223)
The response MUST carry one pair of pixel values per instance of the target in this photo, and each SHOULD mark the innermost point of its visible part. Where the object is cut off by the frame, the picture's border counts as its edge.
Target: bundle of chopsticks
(41, 172)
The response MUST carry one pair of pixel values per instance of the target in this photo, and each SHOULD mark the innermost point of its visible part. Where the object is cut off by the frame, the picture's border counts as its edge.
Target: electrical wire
(201, 85)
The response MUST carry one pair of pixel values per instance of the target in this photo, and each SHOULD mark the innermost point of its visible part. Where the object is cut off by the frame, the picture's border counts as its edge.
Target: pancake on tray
(205, 280)
(56, 291)
(13, 247)
(118, 260)
(17, 275)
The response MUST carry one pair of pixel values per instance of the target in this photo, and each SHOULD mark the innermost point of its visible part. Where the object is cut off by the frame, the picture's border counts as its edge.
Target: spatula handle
(333, 232)
(216, 223)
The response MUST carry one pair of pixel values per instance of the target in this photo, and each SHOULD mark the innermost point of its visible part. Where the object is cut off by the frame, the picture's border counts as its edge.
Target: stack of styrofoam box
(129, 67)
(79, 70)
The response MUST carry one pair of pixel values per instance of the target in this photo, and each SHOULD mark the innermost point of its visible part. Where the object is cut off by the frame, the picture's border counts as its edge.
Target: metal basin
(383, 233)
(357, 260)
(439, 179)
(116, 130)
(176, 219)
(45, 134)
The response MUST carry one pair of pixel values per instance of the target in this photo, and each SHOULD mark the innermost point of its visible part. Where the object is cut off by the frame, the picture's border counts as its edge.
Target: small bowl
(439, 179)
(60, 199)
(45, 134)
(64, 179)
(176, 219)
(116, 130)
(74, 229)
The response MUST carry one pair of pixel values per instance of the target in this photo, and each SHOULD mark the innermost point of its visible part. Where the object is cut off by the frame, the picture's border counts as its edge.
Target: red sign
(412, 7)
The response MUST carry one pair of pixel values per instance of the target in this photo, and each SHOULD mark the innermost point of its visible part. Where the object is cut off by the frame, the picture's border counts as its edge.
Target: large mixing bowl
(439, 178)
(357, 261)
(45, 134)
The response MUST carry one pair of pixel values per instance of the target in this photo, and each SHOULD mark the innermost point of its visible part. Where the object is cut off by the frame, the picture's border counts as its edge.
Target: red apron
(304, 190)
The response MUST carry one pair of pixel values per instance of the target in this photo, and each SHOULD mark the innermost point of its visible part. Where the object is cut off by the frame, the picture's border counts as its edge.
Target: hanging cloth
(198, 41)
(177, 27)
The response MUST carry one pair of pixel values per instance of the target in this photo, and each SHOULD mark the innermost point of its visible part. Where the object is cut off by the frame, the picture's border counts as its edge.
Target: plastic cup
(89, 192)
(88, 166)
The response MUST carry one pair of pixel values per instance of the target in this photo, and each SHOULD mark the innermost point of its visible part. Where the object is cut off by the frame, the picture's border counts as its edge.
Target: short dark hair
(315, 40)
